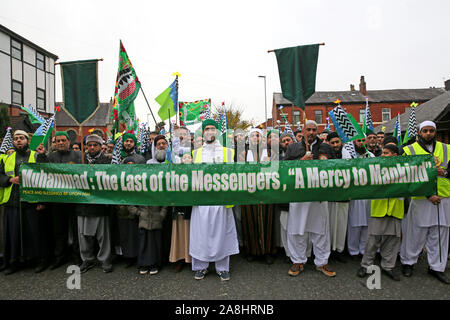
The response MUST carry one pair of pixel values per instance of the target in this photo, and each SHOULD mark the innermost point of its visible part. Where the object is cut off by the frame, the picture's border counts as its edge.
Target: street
(249, 281)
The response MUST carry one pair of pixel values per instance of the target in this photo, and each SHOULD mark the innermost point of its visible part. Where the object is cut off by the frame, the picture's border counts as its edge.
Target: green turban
(62, 133)
(209, 122)
(129, 136)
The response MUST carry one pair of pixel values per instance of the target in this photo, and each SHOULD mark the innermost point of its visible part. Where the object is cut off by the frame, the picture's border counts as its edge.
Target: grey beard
(160, 155)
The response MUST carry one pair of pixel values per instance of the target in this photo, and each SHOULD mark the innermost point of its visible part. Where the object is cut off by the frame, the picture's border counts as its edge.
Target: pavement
(249, 281)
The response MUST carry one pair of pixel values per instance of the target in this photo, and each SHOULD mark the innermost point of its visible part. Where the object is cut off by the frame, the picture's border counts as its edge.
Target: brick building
(384, 104)
(98, 122)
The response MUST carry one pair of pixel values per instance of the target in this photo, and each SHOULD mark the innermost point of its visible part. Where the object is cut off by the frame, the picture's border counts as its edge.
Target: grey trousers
(98, 229)
(388, 245)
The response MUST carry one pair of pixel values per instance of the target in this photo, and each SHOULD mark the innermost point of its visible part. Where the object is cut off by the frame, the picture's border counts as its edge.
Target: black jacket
(94, 210)
(70, 156)
(320, 150)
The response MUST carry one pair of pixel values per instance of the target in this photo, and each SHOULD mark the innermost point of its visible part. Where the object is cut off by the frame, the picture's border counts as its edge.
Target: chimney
(447, 85)
(352, 87)
(362, 86)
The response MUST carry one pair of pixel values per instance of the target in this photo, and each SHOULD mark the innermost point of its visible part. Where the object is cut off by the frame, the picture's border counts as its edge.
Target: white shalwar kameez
(308, 221)
(358, 216)
(213, 234)
(421, 228)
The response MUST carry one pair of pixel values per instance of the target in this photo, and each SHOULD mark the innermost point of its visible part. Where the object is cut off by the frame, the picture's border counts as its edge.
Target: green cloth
(190, 111)
(129, 136)
(168, 100)
(297, 68)
(80, 90)
(126, 91)
(209, 122)
(62, 133)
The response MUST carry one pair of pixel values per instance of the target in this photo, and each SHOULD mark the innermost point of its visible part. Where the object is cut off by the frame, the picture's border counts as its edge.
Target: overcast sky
(220, 47)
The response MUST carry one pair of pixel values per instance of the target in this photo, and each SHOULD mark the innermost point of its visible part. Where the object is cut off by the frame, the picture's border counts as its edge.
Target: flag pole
(439, 233)
(80, 133)
(320, 44)
(101, 59)
(148, 105)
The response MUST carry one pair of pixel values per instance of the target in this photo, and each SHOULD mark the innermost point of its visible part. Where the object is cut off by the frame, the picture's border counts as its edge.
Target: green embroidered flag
(127, 89)
(190, 112)
(297, 68)
(80, 89)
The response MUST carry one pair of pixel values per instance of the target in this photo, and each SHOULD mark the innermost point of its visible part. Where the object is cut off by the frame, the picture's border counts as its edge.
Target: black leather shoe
(355, 257)
(407, 270)
(361, 272)
(58, 263)
(391, 274)
(41, 267)
(269, 259)
(339, 257)
(10, 270)
(439, 275)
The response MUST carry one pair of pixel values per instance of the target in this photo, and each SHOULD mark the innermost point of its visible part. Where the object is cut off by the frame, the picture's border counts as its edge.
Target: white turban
(427, 124)
(311, 122)
(256, 130)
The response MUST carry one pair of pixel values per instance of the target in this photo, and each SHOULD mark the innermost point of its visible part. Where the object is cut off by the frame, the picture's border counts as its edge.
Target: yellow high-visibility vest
(10, 165)
(393, 207)
(228, 156)
(441, 151)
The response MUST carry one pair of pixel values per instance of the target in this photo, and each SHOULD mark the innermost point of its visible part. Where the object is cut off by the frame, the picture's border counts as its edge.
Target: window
(40, 61)
(16, 92)
(362, 113)
(296, 117)
(40, 99)
(16, 49)
(72, 135)
(385, 114)
(318, 116)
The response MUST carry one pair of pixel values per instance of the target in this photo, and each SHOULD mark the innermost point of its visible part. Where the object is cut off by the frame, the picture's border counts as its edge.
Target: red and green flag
(127, 89)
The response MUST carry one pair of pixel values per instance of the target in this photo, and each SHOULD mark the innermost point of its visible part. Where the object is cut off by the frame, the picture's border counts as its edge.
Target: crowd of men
(149, 237)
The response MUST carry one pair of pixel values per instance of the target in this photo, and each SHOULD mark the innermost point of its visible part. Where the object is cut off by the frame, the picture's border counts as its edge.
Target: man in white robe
(213, 236)
(423, 225)
(309, 221)
(358, 211)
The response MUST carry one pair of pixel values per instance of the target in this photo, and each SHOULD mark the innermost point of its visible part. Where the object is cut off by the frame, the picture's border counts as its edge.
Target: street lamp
(265, 97)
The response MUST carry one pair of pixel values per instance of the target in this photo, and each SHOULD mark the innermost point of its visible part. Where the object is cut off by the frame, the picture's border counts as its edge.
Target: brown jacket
(150, 217)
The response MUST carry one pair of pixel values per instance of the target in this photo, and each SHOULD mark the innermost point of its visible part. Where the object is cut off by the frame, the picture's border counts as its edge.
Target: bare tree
(234, 116)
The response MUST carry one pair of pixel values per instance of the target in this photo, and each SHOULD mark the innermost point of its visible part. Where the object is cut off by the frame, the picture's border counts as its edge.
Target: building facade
(27, 76)
(98, 123)
(384, 104)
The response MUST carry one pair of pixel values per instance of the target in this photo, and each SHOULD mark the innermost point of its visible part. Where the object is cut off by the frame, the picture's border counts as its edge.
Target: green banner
(80, 90)
(230, 184)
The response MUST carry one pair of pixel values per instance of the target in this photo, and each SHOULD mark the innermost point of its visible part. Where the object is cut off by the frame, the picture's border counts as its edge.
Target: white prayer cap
(21, 133)
(256, 130)
(311, 122)
(427, 124)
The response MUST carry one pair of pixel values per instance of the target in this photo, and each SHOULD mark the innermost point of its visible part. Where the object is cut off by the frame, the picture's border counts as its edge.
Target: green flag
(168, 99)
(80, 89)
(190, 111)
(297, 68)
(126, 90)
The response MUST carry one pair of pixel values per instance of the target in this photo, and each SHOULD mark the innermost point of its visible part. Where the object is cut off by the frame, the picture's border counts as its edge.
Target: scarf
(91, 159)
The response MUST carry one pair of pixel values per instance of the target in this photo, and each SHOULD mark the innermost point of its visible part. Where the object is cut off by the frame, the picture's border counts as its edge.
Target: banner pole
(80, 133)
(439, 233)
(148, 105)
